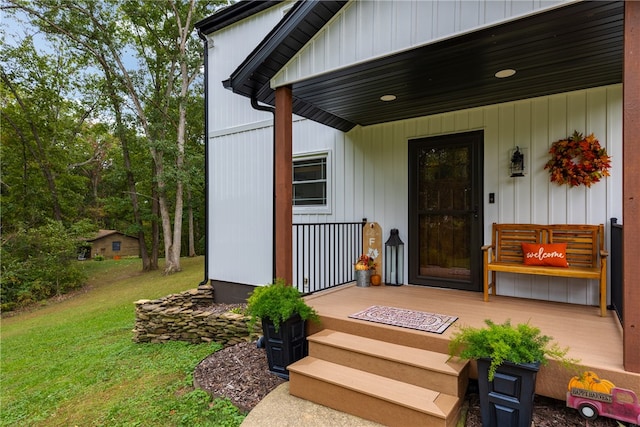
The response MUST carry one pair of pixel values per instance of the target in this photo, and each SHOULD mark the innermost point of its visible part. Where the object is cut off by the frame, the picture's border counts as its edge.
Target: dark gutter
(206, 159)
(271, 110)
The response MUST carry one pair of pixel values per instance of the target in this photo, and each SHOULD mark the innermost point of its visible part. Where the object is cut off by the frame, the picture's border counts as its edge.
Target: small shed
(112, 244)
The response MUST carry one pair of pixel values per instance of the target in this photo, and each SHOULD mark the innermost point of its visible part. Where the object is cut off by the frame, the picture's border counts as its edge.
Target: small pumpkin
(577, 382)
(589, 376)
(376, 279)
(601, 385)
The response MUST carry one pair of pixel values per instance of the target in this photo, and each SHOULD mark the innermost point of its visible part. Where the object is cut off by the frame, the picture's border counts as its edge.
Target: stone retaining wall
(190, 316)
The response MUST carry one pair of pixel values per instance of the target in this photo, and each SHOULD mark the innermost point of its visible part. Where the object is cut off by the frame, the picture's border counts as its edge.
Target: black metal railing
(615, 264)
(324, 253)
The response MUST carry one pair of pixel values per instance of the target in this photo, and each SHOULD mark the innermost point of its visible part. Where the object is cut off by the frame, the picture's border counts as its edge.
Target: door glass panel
(445, 246)
(444, 211)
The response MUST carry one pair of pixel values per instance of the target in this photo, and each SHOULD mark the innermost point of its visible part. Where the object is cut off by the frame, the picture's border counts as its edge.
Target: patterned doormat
(420, 320)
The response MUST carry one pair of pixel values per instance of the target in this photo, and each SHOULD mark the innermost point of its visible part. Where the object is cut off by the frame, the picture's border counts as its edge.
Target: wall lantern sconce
(516, 167)
(394, 260)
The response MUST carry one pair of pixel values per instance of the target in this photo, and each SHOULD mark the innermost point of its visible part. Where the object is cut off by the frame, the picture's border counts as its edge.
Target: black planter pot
(507, 401)
(287, 345)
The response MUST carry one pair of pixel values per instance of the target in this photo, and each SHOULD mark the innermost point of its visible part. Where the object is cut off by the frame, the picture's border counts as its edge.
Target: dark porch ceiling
(572, 47)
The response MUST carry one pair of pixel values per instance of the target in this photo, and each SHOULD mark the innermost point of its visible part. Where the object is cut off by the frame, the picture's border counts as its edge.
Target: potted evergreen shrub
(507, 357)
(283, 313)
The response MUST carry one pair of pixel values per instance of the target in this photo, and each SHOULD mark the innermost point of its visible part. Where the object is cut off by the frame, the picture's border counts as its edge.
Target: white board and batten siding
(378, 178)
(240, 158)
(368, 168)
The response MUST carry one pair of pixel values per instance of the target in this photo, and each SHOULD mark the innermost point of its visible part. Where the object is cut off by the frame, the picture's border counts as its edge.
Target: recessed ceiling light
(507, 72)
(387, 98)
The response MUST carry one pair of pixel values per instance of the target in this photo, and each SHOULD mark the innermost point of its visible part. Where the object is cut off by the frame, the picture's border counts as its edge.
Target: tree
(38, 263)
(166, 42)
(160, 36)
(43, 136)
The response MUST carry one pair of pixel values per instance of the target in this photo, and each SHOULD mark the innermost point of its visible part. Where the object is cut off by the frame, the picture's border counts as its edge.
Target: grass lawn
(73, 362)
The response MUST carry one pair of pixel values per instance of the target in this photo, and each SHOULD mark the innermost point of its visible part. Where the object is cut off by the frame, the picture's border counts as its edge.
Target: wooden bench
(585, 253)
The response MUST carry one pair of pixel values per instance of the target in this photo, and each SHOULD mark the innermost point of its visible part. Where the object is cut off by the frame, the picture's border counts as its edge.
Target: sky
(15, 28)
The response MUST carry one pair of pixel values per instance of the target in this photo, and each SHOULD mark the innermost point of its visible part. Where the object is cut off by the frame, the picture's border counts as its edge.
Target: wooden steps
(412, 365)
(381, 381)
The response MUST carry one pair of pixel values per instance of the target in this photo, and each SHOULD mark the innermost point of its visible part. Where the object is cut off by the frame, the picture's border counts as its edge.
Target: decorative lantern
(394, 260)
(516, 168)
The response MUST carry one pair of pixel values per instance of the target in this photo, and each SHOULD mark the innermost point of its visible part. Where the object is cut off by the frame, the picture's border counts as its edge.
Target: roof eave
(252, 78)
(232, 14)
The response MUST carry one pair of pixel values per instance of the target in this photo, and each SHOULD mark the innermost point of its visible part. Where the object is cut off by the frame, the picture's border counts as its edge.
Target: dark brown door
(445, 211)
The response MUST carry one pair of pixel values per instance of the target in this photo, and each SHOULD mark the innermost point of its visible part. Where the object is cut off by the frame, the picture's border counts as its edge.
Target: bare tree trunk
(171, 248)
(155, 229)
(144, 254)
(131, 182)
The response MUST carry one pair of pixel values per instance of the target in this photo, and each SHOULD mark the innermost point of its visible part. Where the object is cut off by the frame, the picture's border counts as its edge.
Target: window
(310, 183)
(115, 246)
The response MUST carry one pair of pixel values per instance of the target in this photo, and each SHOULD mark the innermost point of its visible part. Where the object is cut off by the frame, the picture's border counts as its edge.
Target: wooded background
(102, 125)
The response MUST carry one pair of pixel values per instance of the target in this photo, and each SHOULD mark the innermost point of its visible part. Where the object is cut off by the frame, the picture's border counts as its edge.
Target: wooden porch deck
(596, 341)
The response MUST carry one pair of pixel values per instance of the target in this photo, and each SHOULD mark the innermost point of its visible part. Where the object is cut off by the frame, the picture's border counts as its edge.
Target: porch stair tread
(416, 366)
(420, 358)
(371, 396)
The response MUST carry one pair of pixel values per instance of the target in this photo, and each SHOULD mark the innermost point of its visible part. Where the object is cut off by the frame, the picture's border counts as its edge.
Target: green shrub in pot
(278, 302)
(503, 342)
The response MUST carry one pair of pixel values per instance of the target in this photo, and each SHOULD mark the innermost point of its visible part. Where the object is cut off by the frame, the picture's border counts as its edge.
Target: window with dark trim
(115, 246)
(310, 181)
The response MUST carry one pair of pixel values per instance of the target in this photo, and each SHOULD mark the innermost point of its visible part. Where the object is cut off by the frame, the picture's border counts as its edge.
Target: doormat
(420, 320)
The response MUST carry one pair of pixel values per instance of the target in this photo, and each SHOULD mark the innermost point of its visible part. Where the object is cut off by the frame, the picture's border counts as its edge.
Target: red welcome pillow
(552, 254)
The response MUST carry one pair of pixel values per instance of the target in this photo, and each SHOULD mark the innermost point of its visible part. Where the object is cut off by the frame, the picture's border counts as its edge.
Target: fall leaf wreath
(578, 160)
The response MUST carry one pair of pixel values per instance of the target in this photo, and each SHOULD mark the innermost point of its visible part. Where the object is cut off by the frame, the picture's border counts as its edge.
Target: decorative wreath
(577, 160)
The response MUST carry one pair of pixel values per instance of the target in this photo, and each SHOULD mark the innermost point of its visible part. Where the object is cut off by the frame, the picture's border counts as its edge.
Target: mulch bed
(239, 372)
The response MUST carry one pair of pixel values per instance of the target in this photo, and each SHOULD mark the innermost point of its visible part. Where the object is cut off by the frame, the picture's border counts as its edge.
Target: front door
(445, 211)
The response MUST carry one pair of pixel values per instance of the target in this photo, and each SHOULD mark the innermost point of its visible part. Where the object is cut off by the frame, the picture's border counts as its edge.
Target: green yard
(73, 363)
